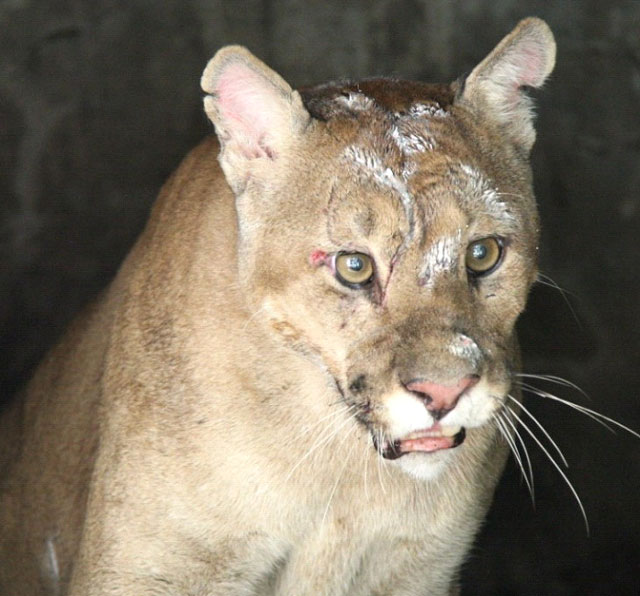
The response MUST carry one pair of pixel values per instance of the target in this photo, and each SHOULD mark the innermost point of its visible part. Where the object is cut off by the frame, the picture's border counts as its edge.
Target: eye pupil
(479, 252)
(355, 263)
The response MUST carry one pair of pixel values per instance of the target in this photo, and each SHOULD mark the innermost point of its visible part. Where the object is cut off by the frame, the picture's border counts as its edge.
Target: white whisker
(542, 428)
(528, 478)
(557, 467)
(545, 280)
(320, 441)
(546, 395)
(305, 430)
(367, 455)
(597, 416)
(253, 316)
(549, 281)
(554, 379)
(379, 460)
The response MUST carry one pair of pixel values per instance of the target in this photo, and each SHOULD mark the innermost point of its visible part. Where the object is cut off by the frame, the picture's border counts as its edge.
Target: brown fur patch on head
(392, 95)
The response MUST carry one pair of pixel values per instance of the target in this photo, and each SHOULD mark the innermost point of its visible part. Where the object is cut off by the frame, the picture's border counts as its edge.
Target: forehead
(406, 138)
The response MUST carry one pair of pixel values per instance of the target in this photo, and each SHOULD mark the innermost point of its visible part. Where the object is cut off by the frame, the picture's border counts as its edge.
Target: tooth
(450, 431)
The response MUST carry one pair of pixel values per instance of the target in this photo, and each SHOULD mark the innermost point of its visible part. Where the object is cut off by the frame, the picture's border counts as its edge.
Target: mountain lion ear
(256, 113)
(524, 58)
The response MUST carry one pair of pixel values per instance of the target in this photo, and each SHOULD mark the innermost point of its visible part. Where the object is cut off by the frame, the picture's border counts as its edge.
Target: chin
(424, 466)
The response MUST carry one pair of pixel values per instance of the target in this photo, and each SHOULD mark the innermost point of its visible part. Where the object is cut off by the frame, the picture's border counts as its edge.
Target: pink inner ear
(524, 67)
(247, 104)
(530, 64)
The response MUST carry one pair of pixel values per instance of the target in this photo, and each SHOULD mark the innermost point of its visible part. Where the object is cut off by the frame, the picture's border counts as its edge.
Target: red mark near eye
(318, 257)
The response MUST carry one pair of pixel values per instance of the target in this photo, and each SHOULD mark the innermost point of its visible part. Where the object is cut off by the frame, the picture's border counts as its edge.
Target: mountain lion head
(388, 231)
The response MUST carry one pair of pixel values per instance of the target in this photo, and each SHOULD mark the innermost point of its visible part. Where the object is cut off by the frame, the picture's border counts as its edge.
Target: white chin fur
(424, 466)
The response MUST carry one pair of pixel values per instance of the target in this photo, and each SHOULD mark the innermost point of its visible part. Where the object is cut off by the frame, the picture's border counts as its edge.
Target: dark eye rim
(346, 283)
(501, 242)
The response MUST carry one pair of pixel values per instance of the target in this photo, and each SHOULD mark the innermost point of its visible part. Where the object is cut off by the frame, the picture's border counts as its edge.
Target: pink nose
(440, 399)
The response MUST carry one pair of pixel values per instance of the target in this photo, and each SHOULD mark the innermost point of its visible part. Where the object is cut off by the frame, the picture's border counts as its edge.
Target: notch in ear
(524, 58)
(257, 115)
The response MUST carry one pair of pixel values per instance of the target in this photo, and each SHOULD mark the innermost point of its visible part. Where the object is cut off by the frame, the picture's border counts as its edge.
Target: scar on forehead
(481, 193)
(441, 258)
(411, 141)
(371, 164)
(411, 131)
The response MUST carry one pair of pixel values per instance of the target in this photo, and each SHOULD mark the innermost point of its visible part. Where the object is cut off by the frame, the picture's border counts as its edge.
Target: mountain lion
(294, 384)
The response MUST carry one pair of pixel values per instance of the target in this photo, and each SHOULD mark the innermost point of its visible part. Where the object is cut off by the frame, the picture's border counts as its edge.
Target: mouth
(429, 440)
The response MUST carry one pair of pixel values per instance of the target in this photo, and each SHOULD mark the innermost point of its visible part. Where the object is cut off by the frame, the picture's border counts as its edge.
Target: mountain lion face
(392, 238)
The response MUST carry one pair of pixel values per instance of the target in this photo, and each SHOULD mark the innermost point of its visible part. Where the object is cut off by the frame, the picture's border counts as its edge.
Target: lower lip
(422, 445)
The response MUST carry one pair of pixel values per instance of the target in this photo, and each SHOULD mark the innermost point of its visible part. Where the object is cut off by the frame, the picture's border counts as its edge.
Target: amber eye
(354, 269)
(483, 256)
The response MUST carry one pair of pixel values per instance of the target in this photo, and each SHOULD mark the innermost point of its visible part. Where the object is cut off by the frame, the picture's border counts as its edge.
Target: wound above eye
(318, 258)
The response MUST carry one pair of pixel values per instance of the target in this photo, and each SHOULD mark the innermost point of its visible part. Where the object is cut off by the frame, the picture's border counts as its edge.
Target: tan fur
(207, 426)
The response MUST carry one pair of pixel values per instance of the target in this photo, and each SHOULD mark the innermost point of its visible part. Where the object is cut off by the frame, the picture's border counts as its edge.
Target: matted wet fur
(292, 385)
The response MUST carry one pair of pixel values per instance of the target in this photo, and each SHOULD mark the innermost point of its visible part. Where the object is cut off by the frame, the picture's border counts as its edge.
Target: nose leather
(440, 399)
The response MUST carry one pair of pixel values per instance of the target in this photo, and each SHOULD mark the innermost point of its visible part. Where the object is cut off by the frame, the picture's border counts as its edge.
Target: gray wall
(99, 100)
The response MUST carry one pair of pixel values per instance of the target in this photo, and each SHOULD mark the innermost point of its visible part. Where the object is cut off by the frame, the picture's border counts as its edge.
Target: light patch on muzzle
(405, 414)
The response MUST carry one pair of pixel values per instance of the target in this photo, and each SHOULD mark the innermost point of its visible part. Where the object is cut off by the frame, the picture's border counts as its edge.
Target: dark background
(99, 100)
